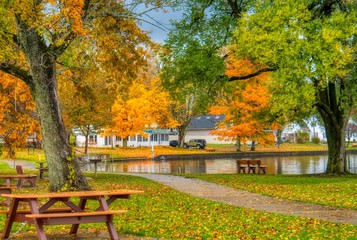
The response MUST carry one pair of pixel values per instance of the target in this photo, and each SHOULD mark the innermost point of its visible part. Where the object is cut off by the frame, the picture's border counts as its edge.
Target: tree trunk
(125, 142)
(182, 133)
(63, 170)
(252, 146)
(335, 118)
(336, 148)
(238, 145)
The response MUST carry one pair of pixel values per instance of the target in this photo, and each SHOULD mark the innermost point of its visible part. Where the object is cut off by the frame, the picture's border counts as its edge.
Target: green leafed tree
(193, 61)
(312, 47)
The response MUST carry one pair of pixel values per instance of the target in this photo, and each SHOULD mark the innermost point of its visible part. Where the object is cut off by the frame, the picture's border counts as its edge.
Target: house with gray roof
(200, 127)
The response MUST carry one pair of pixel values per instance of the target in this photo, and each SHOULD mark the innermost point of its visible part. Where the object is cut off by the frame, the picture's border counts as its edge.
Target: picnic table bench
(31, 178)
(250, 166)
(74, 214)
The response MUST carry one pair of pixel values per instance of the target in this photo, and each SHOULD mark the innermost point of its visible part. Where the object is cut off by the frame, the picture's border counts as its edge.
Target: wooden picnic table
(31, 178)
(47, 214)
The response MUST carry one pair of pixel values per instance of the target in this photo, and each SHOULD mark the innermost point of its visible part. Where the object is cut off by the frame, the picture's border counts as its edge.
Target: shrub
(302, 137)
(315, 140)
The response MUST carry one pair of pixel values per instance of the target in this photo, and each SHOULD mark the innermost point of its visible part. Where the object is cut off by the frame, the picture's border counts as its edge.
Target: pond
(275, 165)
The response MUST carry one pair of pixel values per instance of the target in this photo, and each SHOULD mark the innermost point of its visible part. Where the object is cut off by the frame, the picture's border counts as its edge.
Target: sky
(157, 22)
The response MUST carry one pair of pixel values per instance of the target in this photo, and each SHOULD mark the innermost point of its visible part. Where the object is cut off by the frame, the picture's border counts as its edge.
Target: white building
(155, 137)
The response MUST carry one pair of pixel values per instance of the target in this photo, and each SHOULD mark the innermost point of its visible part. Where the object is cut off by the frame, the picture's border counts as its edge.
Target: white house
(155, 137)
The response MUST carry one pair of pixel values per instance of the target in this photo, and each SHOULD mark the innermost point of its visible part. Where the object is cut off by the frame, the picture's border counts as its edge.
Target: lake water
(275, 165)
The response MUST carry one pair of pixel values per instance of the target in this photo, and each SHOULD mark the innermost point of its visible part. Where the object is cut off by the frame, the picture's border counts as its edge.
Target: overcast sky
(157, 22)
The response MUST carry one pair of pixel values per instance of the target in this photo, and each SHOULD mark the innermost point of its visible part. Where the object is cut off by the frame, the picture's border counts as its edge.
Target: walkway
(246, 199)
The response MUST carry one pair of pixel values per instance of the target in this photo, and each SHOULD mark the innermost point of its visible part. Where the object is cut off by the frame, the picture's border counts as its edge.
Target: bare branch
(254, 74)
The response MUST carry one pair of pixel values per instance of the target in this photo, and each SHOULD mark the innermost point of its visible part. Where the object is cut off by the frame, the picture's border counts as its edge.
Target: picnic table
(22, 178)
(47, 214)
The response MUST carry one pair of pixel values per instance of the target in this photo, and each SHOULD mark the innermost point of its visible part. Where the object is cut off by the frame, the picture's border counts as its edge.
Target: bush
(315, 140)
(302, 137)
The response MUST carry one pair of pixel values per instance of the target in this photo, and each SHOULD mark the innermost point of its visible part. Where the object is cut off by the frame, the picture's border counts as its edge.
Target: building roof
(205, 122)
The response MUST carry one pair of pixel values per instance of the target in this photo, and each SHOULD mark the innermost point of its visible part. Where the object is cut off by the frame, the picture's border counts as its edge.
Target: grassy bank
(120, 152)
(334, 191)
(165, 213)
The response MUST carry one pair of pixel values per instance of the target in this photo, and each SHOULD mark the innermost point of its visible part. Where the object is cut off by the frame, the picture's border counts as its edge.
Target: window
(132, 138)
(140, 138)
(108, 141)
(164, 137)
(117, 138)
(153, 138)
(93, 138)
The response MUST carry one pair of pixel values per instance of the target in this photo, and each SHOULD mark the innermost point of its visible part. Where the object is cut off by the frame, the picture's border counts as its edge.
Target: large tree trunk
(63, 170)
(335, 119)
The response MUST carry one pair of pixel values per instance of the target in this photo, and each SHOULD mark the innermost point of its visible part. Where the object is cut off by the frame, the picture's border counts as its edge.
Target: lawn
(335, 191)
(122, 152)
(166, 213)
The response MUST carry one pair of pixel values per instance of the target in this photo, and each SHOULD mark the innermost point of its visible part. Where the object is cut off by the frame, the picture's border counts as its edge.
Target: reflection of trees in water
(275, 165)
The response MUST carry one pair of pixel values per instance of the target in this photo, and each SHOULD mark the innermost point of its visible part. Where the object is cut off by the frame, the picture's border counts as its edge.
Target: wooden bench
(242, 165)
(42, 169)
(74, 217)
(31, 178)
(256, 164)
(250, 166)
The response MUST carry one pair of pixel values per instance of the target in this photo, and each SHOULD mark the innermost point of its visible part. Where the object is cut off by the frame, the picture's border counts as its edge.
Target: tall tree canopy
(38, 35)
(309, 45)
(312, 47)
(193, 62)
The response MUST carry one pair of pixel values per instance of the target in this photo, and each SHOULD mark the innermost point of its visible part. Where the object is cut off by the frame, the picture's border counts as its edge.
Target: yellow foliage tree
(18, 119)
(145, 106)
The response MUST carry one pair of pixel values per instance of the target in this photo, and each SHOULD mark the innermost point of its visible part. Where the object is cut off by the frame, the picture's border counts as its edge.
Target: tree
(311, 46)
(146, 105)
(246, 107)
(194, 56)
(37, 35)
(18, 118)
(84, 99)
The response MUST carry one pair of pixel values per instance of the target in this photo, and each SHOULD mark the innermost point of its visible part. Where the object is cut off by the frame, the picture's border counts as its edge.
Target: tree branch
(16, 71)
(254, 74)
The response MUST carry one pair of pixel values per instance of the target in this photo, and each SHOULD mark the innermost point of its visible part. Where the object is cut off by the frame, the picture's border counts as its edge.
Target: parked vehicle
(173, 143)
(197, 143)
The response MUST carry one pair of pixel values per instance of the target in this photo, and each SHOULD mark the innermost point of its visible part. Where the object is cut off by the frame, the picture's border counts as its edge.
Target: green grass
(165, 213)
(335, 191)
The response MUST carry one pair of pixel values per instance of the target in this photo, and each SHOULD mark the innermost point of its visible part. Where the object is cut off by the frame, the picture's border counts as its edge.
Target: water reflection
(275, 165)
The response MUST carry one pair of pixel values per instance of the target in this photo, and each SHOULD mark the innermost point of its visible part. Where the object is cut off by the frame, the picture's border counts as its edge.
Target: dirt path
(246, 199)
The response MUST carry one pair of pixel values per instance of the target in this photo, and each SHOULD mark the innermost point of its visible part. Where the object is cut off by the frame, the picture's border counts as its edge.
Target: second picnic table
(74, 214)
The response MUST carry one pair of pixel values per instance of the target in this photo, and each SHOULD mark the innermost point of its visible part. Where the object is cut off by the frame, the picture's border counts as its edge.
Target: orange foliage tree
(18, 119)
(146, 105)
(37, 36)
(245, 105)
